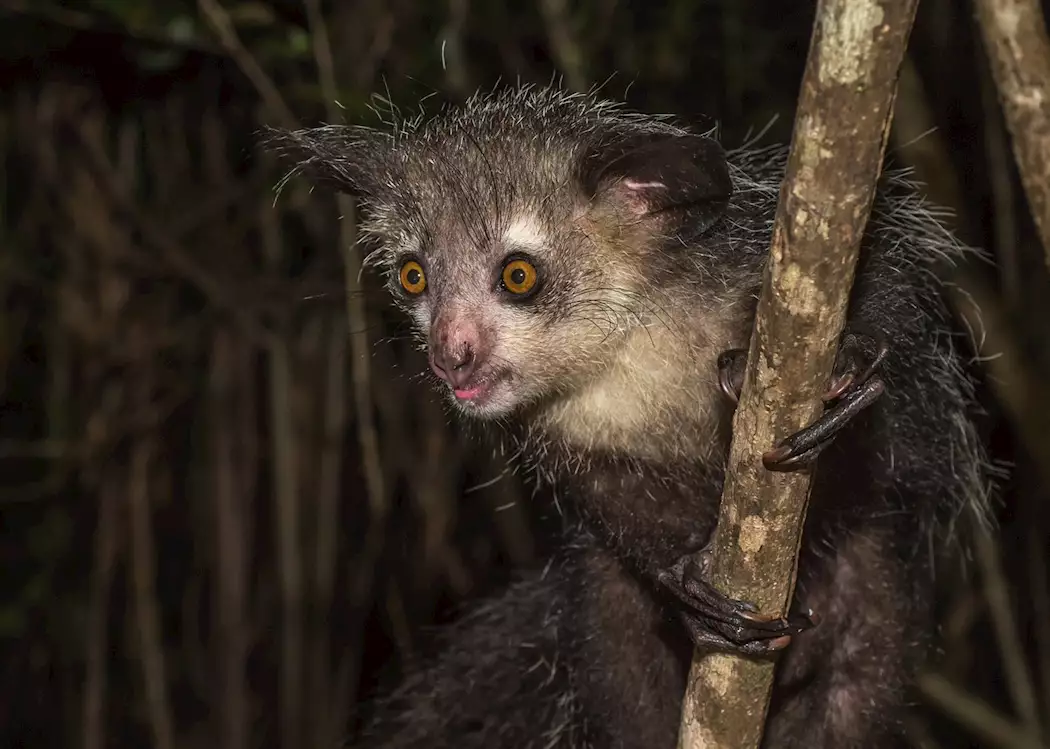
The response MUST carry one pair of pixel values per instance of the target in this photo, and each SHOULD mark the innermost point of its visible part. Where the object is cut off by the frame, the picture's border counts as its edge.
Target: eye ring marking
(519, 277)
(413, 279)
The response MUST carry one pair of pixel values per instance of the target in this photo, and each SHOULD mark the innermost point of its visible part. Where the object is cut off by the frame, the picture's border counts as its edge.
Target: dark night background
(223, 526)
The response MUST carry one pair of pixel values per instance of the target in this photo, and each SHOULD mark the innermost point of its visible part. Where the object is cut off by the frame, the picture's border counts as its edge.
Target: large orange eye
(412, 278)
(519, 276)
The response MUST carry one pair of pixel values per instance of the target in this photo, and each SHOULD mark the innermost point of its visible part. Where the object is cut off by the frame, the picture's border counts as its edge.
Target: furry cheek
(544, 355)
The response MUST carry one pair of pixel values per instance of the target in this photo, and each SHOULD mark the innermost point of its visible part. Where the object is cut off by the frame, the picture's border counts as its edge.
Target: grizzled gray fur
(574, 272)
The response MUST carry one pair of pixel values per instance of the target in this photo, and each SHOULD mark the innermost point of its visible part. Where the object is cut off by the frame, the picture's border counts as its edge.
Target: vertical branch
(1015, 37)
(327, 724)
(225, 486)
(286, 514)
(331, 460)
(286, 508)
(1007, 246)
(1038, 564)
(97, 638)
(838, 143)
(68, 295)
(231, 541)
(143, 576)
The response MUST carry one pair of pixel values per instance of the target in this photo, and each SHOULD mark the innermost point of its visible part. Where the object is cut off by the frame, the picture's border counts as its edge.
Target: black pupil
(517, 276)
(413, 277)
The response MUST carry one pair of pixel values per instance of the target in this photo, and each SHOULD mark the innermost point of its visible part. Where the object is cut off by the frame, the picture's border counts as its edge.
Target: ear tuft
(337, 157)
(663, 173)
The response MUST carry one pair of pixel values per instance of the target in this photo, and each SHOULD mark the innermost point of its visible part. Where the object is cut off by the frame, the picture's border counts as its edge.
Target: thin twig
(976, 715)
(223, 25)
(1000, 608)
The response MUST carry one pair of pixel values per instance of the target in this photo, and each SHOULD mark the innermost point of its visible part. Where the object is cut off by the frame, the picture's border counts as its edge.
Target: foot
(855, 385)
(715, 622)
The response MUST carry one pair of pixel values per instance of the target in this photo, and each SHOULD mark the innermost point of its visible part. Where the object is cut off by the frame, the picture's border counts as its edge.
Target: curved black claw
(801, 448)
(854, 387)
(860, 342)
(715, 622)
(731, 366)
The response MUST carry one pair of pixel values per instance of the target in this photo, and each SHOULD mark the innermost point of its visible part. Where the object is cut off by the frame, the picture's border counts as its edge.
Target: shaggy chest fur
(638, 450)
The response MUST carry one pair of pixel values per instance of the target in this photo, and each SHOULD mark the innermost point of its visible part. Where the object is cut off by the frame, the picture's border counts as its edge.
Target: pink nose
(453, 366)
(457, 347)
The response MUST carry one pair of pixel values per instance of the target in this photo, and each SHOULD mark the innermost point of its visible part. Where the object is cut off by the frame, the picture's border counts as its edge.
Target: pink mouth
(476, 392)
(467, 394)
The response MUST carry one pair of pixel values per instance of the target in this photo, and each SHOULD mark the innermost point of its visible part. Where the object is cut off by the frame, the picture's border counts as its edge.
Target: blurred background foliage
(229, 510)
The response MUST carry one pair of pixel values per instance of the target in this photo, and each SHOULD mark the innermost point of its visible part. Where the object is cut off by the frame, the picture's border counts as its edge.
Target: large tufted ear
(338, 157)
(661, 172)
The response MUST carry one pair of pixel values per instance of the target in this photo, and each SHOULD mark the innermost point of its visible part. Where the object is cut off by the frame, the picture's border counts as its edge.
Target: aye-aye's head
(526, 233)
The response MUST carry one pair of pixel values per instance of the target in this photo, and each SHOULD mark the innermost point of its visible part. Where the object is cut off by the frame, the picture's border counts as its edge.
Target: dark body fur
(633, 434)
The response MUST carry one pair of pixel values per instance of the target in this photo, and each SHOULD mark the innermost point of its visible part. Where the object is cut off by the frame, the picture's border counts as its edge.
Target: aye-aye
(585, 280)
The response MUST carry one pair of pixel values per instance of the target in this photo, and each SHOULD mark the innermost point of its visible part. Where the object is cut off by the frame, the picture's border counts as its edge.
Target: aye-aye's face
(525, 233)
(523, 288)
(521, 309)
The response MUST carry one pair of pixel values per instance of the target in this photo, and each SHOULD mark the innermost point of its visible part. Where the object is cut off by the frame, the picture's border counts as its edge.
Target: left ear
(342, 158)
(664, 172)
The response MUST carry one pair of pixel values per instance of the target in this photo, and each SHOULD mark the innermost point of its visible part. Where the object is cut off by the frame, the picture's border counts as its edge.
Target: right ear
(656, 172)
(337, 157)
